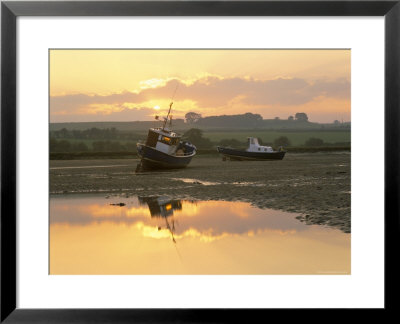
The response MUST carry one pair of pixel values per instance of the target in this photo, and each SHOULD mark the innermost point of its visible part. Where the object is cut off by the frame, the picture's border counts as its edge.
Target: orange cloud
(209, 94)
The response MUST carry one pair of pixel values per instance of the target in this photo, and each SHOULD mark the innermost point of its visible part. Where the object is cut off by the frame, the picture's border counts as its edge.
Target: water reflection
(213, 218)
(90, 234)
(162, 207)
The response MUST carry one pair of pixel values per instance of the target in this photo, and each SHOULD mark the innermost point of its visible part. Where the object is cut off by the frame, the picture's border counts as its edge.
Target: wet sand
(316, 185)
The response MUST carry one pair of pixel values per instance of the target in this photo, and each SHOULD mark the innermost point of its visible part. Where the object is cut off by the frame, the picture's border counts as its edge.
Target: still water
(92, 234)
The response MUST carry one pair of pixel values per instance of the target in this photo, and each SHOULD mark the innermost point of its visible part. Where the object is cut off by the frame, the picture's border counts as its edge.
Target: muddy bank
(315, 185)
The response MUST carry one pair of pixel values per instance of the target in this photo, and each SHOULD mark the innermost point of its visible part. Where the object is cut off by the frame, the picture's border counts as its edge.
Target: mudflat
(315, 185)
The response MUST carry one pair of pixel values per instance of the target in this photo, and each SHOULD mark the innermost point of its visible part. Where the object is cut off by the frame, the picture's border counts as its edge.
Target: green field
(297, 138)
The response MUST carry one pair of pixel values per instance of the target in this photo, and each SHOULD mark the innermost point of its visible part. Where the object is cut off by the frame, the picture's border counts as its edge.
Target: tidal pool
(94, 234)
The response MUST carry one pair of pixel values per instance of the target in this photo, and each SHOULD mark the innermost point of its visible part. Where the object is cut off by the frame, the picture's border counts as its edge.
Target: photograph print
(200, 162)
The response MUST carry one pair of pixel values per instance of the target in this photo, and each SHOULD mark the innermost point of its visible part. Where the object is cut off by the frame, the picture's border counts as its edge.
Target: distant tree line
(94, 133)
(63, 146)
(311, 142)
(244, 120)
(64, 141)
(247, 119)
(195, 136)
(250, 120)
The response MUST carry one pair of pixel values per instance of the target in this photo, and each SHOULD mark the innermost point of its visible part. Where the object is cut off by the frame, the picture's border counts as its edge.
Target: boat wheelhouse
(254, 151)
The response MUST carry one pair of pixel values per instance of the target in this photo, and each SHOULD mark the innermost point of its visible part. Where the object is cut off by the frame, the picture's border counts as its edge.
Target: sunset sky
(129, 85)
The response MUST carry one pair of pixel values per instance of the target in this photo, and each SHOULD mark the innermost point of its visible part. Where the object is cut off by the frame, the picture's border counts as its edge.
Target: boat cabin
(254, 146)
(163, 140)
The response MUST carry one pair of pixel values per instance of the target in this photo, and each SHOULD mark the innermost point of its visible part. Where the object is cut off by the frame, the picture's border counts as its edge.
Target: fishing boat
(164, 149)
(254, 151)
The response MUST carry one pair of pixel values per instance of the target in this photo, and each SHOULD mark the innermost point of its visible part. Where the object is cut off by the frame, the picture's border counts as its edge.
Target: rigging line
(176, 88)
(179, 255)
(173, 238)
(170, 106)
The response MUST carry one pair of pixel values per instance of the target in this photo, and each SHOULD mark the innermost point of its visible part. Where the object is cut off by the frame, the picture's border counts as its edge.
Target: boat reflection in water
(162, 207)
(90, 234)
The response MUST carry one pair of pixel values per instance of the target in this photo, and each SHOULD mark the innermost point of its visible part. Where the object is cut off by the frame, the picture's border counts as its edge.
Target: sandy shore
(315, 185)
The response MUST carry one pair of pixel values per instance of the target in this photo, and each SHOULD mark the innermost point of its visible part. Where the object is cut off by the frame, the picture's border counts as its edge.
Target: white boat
(254, 151)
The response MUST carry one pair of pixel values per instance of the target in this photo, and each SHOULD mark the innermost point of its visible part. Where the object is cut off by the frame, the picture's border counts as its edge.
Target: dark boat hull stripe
(244, 155)
(152, 158)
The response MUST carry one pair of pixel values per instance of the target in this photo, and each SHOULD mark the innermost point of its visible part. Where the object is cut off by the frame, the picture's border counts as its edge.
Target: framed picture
(197, 160)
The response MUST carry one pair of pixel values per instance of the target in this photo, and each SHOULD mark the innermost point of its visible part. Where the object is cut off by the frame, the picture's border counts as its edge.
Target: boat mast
(169, 111)
(170, 106)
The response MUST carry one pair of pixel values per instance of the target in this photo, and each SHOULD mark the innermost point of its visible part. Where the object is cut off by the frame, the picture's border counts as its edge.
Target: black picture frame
(10, 10)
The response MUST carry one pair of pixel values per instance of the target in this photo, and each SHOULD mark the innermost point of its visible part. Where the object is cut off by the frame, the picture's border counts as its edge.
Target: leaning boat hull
(239, 155)
(152, 159)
